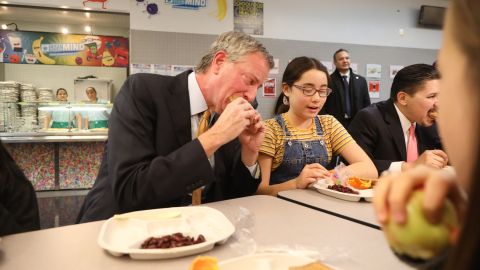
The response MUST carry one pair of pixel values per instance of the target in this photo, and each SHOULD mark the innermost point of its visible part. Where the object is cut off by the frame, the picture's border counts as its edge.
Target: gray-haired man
(154, 158)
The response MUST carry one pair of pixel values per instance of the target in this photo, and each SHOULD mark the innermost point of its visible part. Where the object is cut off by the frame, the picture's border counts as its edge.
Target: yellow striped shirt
(335, 137)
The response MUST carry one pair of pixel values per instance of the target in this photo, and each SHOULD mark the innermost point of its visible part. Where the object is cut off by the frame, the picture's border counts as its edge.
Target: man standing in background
(350, 90)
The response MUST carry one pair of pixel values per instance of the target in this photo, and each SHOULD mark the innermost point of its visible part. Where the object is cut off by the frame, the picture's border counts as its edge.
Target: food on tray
(418, 238)
(343, 189)
(311, 266)
(204, 263)
(171, 241)
(359, 183)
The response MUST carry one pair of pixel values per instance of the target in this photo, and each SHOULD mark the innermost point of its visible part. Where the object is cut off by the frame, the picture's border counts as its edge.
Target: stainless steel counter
(32, 137)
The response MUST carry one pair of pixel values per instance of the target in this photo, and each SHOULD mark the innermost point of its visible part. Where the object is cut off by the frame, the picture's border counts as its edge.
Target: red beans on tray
(171, 241)
(343, 189)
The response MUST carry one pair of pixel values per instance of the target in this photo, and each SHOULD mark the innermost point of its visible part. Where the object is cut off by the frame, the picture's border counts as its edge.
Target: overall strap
(318, 126)
(281, 122)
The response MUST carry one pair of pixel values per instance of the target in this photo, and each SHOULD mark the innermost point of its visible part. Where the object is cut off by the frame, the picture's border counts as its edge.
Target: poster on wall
(140, 68)
(162, 69)
(276, 66)
(374, 89)
(177, 69)
(329, 65)
(354, 67)
(394, 69)
(374, 70)
(23, 47)
(248, 17)
(269, 87)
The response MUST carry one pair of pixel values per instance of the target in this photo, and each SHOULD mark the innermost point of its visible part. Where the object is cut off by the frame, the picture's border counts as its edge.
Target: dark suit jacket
(151, 161)
(359, 97)
(378, 131)
(18, 202)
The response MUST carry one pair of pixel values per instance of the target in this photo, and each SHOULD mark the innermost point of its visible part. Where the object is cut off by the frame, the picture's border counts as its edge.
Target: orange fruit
(204, 263)
(359, 183)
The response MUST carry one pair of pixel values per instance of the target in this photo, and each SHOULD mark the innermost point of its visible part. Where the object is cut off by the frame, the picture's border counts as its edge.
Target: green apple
(418, 238)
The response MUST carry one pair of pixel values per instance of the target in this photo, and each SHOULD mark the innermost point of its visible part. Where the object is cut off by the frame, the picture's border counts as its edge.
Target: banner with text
(22, 47)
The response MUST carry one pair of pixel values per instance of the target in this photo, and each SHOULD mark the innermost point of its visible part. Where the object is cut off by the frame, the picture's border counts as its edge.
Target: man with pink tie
(398, 133)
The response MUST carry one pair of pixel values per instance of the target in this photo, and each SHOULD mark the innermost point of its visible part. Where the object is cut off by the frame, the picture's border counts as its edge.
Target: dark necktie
(346, 90)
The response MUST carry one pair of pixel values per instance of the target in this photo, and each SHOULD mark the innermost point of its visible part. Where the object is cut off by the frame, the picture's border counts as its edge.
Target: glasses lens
(309, 90)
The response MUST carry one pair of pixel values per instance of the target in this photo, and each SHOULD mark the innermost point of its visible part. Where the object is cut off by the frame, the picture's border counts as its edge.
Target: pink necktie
(412, 150)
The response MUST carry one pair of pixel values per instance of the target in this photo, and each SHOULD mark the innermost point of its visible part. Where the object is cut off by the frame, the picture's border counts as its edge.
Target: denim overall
(299, 153)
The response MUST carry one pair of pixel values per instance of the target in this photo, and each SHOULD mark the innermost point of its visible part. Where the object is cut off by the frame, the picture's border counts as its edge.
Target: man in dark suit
(401, 127)
(153, 157)
(350, 91)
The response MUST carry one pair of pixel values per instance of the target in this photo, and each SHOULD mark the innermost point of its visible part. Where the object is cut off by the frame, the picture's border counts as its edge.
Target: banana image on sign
(107, 59)
(37, 51)
(221, 10)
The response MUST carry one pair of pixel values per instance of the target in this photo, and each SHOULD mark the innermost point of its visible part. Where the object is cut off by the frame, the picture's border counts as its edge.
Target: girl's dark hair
(300, 65)
(59, 89)
(411, 78)
(465, 29)
(294, 71)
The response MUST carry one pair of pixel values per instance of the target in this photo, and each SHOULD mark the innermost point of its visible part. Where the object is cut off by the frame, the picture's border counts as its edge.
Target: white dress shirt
(396, 166)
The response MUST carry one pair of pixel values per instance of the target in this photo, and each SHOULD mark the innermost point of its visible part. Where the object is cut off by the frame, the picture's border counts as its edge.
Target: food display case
(57, 145)
(34, 121)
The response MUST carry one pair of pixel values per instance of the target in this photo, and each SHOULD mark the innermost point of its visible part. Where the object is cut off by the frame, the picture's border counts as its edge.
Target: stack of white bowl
(28, 96)
(9, 96)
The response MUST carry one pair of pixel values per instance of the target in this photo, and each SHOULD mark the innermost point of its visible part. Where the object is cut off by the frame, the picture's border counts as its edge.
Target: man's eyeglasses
(309, 90)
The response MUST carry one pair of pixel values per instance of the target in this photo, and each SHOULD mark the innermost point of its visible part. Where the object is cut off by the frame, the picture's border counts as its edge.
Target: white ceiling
(71, 17)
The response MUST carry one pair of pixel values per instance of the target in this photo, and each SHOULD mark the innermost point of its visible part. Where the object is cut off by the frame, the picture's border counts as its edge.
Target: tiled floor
(59, 208)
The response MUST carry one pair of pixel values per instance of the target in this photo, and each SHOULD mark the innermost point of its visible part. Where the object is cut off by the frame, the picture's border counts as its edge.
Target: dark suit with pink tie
(378, 131)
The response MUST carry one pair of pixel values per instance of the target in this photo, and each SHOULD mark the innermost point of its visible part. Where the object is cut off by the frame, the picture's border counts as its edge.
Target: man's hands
(432, 158)
(239, 119)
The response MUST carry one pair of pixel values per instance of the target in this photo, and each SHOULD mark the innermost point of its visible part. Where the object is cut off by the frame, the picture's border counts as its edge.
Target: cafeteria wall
(367, 22)
(187, 49)
(2, 73)
(368, 29)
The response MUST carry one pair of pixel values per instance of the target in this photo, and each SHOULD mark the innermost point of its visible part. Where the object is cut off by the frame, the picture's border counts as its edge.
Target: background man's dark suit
(152, 161)
(359, 97)
(378, 131)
